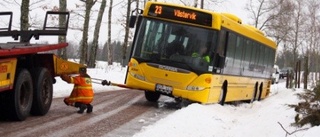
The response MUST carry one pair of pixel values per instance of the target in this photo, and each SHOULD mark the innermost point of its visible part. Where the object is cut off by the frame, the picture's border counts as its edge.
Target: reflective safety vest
(206, 58)
(82, 90)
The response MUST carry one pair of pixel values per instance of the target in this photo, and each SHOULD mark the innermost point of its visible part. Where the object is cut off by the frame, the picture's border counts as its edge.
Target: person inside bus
(82, 93)
(202, 52)
(175, 47)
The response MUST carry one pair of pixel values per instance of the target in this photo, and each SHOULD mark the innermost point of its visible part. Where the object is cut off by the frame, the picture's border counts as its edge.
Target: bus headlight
(137, 76)
(195, 88)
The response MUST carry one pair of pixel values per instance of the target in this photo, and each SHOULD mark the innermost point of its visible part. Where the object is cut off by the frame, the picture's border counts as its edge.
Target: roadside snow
(251, 120)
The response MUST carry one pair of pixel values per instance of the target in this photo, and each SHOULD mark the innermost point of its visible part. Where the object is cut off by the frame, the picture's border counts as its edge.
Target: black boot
(77, 104)
(82, 108)
(89, 108)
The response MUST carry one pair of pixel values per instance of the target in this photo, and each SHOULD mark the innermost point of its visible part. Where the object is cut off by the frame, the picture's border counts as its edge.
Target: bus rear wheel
(20, 98)
(42, 96)
(255, 92)
(260, 91)
(151, 96)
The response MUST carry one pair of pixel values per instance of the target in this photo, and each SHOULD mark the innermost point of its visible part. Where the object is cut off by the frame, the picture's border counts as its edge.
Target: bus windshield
(176, 45)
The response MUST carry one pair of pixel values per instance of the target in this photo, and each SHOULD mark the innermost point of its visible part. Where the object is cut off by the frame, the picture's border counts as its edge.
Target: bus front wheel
(223, 93)
(152, 96)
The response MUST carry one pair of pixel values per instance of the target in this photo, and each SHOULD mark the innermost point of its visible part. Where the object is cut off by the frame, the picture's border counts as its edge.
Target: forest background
(293, 24)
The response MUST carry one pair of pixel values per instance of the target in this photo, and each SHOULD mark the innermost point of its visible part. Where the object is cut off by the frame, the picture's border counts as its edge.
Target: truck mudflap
(7, 73)
(62, 66)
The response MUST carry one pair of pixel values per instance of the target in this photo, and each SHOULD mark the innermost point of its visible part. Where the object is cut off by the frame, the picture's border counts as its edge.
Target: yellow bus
(198, 55)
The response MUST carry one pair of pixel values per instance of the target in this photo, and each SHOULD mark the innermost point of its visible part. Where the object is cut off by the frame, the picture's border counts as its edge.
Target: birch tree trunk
(24, 18)
(94, 48)
(84, 43)
(297, 30)
(62, 19)
(126, 36)
(109, 45)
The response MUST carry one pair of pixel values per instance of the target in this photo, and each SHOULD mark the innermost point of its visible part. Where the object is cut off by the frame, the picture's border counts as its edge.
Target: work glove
(105, 82)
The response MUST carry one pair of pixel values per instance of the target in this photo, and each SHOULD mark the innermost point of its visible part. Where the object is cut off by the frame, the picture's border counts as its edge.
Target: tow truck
(28, 71)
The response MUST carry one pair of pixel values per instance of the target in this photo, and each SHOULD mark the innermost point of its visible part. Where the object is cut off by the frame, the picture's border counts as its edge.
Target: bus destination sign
(180, 14)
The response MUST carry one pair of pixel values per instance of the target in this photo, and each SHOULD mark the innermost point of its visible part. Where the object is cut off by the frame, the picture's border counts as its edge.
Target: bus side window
(219, 57)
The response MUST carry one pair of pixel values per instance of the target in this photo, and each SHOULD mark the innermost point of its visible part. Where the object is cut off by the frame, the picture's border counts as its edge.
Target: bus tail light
(129, 64)
(132, 64)
(208, 80)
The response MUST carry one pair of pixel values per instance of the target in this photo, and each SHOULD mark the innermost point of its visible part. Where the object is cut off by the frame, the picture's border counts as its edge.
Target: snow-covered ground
(263, 119)
(259, 119)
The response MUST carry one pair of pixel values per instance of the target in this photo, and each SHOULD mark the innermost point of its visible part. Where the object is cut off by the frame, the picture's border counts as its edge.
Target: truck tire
(3, 105)
(20, 98)
(152, 96)
(42, 93)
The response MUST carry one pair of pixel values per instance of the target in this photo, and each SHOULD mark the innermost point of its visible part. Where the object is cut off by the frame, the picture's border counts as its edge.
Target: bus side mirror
(132, 21)
(221, 62)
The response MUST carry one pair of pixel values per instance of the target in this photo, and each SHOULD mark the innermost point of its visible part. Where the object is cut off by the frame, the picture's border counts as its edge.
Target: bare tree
(62, 19)
(280, 27)
(109, 49)
(289, 29)
(93, 51)
(127, 31)
(282, 20)
(24, 18)
(29, 15)
(84, 43)
(262, 11)
(296, 35)
(311, 34)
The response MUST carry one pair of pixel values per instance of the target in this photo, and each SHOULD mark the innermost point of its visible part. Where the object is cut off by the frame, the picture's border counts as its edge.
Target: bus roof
(245, 30)
(205, 18)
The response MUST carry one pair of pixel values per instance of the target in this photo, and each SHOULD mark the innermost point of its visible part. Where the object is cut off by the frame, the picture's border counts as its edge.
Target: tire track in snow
(92, 121)
(55, 112)
(64, 118)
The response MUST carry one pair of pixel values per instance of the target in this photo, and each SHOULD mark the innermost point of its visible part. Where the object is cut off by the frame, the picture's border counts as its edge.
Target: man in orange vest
(82, 93)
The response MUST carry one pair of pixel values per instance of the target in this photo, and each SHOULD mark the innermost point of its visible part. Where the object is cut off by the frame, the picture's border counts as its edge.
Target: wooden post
(296, 75)
(287, 79)
(306, 71)
(299, 71)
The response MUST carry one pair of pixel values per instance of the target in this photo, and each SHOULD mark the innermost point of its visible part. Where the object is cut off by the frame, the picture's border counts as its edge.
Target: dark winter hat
(83, 70)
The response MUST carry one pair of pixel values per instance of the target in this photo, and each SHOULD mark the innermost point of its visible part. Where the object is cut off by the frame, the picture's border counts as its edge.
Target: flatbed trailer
(28, 71)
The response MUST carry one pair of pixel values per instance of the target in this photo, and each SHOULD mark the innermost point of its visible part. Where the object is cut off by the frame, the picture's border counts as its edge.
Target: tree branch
(290, 133)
